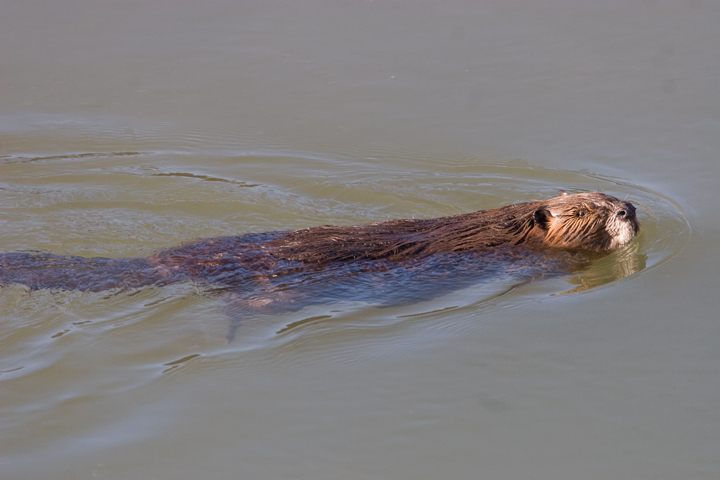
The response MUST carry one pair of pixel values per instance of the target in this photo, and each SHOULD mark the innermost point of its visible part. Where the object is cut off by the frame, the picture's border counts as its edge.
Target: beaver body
(281, 269)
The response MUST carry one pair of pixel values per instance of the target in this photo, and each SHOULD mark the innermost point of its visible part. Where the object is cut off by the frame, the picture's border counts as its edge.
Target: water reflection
(618, 265)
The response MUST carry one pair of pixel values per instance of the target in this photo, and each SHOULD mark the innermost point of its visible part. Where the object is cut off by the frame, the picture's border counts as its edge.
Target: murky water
(128, 128)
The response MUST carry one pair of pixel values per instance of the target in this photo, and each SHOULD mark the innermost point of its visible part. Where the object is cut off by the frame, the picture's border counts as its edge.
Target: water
(131, 128)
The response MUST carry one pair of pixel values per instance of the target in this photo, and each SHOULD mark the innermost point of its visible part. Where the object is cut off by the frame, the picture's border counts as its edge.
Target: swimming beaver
(408, 259)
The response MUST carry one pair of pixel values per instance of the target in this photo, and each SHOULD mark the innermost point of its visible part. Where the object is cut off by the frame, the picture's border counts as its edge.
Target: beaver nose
(626, 213)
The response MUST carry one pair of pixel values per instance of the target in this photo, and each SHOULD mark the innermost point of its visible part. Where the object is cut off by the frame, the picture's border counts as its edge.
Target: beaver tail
(38, 270)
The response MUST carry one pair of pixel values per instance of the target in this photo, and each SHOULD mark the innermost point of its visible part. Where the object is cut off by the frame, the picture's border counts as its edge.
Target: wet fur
(279, 271)
(587, 221)
(590, 222)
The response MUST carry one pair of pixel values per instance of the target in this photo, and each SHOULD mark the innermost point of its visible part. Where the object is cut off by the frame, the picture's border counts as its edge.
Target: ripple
(307, 189)
(206, 178)
(71, 156)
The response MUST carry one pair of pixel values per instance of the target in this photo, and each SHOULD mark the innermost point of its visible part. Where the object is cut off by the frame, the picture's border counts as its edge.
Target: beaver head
(586, 221)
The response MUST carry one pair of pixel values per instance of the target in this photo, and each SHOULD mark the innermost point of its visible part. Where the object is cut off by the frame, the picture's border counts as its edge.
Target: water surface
(128, 128)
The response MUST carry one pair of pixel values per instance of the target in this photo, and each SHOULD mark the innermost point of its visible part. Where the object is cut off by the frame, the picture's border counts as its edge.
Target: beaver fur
(585, 221)
(298, 267)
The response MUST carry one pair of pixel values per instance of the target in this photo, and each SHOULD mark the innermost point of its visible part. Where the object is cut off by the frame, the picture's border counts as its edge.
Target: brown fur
(398, 260)
(584, 221)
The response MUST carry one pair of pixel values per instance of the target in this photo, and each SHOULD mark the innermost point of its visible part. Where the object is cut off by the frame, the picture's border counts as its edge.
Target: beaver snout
(627, 212)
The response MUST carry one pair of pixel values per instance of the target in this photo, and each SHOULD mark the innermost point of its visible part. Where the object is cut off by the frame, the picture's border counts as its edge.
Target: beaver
(275, 271)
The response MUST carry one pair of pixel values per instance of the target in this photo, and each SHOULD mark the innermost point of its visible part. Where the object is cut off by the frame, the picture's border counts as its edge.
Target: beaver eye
(581, 213)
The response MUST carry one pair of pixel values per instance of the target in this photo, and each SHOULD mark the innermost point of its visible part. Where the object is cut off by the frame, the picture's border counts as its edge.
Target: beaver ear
(562, 193)
(542, 218)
